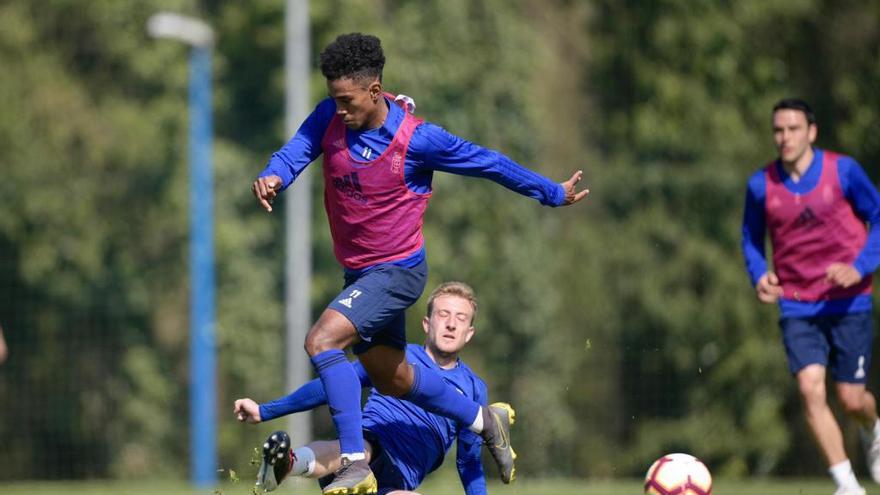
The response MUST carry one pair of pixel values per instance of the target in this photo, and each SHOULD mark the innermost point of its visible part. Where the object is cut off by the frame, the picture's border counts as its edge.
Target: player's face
(793, 134)
(357, 102)
(449, 327)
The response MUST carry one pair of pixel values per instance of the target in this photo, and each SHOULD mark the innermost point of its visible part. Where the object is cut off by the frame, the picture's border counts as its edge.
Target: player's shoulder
(763, 167)
(429, 136)
(324, 111)
(757, 178)
(416, 354)
(848, 169)
(326, 104)
(834, 154)
(843, 160)
(479, 382)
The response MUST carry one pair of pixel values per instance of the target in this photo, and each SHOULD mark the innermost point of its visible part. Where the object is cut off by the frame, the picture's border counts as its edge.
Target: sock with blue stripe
(343, 390)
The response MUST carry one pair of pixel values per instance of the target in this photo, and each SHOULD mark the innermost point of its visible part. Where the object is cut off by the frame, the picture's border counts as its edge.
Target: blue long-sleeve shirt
(865, 200)
(414, 439)
(431, 148)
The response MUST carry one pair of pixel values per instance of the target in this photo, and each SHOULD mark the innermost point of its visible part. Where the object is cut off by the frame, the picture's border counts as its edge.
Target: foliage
(620, 328)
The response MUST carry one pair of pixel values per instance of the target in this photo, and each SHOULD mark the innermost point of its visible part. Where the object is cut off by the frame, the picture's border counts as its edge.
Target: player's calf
(871, 443)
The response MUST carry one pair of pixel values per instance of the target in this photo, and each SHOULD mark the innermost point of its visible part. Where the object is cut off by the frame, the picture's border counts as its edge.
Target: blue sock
(432, 393)
(343, 390)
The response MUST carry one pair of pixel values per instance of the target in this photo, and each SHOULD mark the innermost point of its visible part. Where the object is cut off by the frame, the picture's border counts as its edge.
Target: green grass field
(437, 486)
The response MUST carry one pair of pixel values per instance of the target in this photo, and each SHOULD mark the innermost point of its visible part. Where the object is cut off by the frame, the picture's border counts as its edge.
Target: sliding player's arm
(305, 398)
(468, 464)
(469, 449)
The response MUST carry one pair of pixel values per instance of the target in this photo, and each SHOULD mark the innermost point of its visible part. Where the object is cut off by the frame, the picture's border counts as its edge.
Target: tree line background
(620, 329)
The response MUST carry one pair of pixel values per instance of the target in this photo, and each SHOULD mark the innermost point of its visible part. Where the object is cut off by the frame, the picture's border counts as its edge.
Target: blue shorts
(388, 477)
(839, 342)
(376, 301)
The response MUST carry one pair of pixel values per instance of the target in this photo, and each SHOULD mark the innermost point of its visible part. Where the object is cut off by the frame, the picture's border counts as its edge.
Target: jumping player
(378, 164)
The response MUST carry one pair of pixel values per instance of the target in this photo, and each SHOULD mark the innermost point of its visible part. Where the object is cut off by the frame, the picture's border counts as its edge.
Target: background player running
(815, 204)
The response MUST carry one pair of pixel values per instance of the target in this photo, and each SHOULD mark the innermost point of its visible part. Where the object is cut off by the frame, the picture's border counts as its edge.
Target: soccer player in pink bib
(379, 160)
(817, 206)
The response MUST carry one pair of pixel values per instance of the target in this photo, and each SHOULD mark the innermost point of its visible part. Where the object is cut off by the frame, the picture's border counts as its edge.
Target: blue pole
(203, 448)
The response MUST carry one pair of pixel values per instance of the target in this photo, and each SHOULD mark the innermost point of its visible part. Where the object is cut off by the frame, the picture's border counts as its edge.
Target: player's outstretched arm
(265, 189)
(468, 463)
(305, 398)
(572, 195)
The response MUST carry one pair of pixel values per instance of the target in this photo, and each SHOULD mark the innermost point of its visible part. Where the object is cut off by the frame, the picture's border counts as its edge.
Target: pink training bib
(374, 217)
(810, 231)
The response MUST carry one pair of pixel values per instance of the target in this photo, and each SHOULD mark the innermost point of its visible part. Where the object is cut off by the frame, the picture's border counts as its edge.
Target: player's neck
(378, 119)
(444, 360)
(799, 167)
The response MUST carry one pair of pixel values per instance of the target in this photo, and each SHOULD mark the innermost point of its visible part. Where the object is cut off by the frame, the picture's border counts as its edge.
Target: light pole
(298, 214)
(203, 418)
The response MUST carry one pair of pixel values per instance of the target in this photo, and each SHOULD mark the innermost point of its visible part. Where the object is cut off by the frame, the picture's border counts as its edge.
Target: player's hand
(265, 189)
(843, 275)
(768, 288)
(572, 195)
(247, 411)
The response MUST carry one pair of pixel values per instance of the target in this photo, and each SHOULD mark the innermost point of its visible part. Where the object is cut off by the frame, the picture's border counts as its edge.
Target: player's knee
(813, 397)
(393, 386)
(852, 403)
(318, 341)
(811, 389)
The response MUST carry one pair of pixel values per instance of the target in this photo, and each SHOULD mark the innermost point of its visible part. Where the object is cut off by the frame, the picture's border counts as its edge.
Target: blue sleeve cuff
(559, 196)
(755, 276)
(265, 414)
(281, 171)
(861, 268)
(308, 396)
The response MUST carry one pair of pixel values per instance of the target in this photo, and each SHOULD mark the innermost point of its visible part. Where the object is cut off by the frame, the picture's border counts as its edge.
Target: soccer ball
(678, 474)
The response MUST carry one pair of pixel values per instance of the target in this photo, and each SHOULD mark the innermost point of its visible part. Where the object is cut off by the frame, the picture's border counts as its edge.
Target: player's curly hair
(355, 56)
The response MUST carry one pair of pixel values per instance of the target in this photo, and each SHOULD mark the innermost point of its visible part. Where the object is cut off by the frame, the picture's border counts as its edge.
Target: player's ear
(375, 90)
(470, 334)
(425, 325)
(812, 131)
